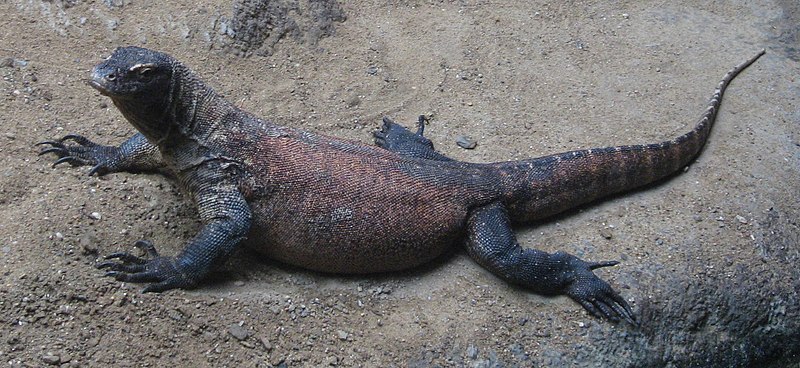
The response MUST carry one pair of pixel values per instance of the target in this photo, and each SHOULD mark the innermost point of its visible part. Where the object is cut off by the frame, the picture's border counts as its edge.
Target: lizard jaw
(98, 85)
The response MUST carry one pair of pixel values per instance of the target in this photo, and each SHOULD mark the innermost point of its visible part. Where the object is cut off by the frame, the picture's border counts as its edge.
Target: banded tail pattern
(555, 183)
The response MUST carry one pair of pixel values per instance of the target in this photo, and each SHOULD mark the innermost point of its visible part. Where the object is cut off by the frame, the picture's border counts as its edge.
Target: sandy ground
(709, 257)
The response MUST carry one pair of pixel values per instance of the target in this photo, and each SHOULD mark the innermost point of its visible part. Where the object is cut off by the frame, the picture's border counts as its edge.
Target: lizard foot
(85, 152)
(396, 138)
(594, 294)
(163, 273)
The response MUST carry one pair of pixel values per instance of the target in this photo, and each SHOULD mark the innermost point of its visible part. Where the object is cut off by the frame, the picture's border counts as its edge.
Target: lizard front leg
(491, 242)
(136, 154)
(226, 217)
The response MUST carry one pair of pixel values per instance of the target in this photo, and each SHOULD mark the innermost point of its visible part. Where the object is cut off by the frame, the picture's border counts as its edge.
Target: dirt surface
(709, 257)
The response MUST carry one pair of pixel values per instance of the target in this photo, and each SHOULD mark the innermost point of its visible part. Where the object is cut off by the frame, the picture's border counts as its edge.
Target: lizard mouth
(99, 87)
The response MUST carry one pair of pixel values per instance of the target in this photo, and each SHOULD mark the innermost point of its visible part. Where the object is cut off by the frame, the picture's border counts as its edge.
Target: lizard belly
(354, 238)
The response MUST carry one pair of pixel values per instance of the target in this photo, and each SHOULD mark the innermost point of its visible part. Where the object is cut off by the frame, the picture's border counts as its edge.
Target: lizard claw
(421, 125)
(83, 152)
(162, 272)
(596, 295)
(396, 138)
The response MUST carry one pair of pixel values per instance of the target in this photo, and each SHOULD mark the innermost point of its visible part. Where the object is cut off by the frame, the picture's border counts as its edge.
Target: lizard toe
(162, 272)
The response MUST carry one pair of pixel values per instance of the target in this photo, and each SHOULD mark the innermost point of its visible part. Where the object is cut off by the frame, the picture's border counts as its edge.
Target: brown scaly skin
(338, 206)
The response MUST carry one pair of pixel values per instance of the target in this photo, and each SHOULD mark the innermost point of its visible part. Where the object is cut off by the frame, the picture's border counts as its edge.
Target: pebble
(176, 314)
(88, 245)
(51, 359)
(741, 219)
(353, 100)
(277, 361)
(342, 334)
(266, 343)
(466, 142)
(238, 283)
(238, 332)
(606, 233)
(96, 215)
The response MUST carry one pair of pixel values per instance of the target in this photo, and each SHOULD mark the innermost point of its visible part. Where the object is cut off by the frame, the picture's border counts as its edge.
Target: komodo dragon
(334, 205)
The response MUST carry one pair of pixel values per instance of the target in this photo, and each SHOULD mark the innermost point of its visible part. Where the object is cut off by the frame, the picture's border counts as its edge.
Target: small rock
(741, 219)
(372, 70)
(10, 136)
(266, 343)
(277, 361)
(96, 215)
(88, 245)
(606, 233)
(353, 100)
(330, 361)
(51, 359)
(6, 62)
(176, 314)
(238, 331)
(238, 283)
(342, 334)
(466, 142)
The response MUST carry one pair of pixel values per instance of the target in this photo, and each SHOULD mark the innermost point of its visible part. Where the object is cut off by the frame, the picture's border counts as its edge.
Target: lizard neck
(176, 114)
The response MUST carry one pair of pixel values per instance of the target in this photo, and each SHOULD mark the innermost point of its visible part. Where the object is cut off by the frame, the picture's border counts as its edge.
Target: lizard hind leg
(491, 242)
(396, 138)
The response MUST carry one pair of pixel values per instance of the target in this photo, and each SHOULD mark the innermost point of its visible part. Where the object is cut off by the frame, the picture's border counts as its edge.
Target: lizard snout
(101, 79)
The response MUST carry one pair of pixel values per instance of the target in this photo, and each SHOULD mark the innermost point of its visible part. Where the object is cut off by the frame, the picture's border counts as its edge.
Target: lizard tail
(541, 187)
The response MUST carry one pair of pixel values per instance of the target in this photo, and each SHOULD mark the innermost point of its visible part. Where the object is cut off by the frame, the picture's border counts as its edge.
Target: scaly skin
(339, 206)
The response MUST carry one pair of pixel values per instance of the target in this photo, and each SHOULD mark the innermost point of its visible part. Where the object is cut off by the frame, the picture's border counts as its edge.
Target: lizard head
(148, 88)
(133, 73)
